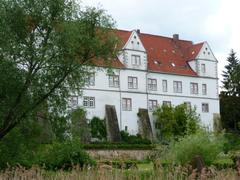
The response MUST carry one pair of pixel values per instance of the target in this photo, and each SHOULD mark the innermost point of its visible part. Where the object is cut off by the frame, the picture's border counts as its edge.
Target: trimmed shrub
(133, 139)
(123, 146)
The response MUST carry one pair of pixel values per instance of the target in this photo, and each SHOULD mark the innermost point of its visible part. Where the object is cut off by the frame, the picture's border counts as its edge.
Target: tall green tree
(46, 51)
(231, 75)
(174, 122)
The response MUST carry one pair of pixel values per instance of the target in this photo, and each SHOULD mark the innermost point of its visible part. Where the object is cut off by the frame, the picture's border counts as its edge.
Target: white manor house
(152, 70)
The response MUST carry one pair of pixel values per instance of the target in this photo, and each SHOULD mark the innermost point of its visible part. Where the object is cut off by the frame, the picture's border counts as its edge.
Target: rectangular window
(126, 104)
(73, 101)
(167, 103)
(177, 86)
(152, 105)
(204, 89)
(194, 88)
(205, 107)
(89, 102)
(136, 60)
(164, 85)
(203, 68)
(132, 82)
(188, 104)
(152, 84)
(90, 81)
(113, 81)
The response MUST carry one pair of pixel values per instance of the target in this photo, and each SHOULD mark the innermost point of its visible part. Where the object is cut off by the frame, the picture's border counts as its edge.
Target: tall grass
(105, 173)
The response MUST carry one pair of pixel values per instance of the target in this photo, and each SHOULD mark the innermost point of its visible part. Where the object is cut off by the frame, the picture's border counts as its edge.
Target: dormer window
(173, 64)
(136, 60)
(203, 68)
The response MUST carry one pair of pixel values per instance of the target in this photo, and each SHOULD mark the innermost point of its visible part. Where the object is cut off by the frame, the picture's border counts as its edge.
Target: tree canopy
(231, 76)
(46, 52)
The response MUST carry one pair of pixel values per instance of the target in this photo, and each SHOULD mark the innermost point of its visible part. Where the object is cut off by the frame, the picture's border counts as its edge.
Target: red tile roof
(165, 54)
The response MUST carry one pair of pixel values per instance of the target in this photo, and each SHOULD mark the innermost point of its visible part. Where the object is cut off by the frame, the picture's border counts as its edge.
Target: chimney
(138, 31)
(175, 37)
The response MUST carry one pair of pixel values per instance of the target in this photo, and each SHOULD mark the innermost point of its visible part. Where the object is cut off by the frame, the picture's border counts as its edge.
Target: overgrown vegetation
(98, 128)
(175, 122)
(203, 144)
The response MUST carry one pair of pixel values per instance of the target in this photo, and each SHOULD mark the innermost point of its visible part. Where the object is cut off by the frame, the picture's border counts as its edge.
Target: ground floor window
(168, 103)
(89, 102)
(152, 105)
(205, 107)
(73, 101)
(127, 104)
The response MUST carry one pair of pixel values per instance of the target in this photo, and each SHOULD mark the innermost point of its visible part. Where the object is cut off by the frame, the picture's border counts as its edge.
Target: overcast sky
(214, 21)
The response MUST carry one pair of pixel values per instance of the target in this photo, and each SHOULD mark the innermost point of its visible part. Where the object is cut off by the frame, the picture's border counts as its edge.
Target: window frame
(136, 59)
(89, 100)
(125, 104)
(193, 88)
(152, 86)
(132, 78)
(71, 102)
(115, 78)
(177, 86)
(152, 104)
(164, 85)
(204, 89)
(90, 79)
(168, 103)
(205, 107)
(203, 68)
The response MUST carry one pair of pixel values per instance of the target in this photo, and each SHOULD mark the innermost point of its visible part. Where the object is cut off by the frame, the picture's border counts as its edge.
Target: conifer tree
(231, 75)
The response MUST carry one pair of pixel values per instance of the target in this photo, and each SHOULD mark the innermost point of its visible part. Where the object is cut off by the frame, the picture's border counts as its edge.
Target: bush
(133, 139)
(123, 146)
(175, 121)
(201, 144)
(98, 128)
(79, 125)
(64, 155)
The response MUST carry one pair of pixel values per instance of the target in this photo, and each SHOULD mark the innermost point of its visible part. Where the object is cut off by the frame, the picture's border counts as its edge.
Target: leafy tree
(230, 112)
(98, 128)
(46, 52)
(231, 80)
(79, 125)
(174, 122)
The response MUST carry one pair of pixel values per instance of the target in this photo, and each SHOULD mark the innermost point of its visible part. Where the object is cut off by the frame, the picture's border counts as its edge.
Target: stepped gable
(166, 55)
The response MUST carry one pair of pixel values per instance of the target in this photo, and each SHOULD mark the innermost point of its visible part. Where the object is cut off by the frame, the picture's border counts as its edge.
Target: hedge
(111, 146)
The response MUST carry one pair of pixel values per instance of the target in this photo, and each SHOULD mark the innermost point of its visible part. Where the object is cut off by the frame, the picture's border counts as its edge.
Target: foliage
(175, 121)
(125, 146)
(19, 146)
(64, 155)
(202, 144)
(98, 128)
(232, 76)
(46, 46)
(230, 112)
(101, 173)
(133, 139)
(79, 125)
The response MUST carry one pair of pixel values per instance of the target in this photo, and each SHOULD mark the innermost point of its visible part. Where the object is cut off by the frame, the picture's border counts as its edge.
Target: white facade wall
(128, 119)
(106, 95)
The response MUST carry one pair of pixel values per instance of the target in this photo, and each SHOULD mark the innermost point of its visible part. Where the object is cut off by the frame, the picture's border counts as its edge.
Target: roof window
(158, 62)
(193, 52)
(173, 64)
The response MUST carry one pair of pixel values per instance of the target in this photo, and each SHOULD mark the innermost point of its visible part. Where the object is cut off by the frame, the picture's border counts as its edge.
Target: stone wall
(120, 154)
